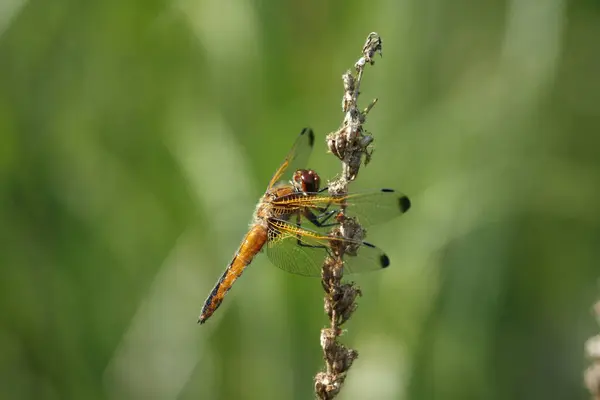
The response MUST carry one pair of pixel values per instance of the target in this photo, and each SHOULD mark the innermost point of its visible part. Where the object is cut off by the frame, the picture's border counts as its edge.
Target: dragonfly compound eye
(306, 180)
(310, 181)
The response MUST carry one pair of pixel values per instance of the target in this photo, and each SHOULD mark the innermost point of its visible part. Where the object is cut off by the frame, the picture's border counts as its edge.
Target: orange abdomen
(252, 243)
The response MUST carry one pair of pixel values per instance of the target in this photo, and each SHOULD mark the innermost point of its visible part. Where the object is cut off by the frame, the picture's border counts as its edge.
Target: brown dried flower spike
(592, 350)
(349, 143)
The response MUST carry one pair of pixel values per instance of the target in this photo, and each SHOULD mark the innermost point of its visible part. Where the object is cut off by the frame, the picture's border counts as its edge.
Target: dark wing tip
(201, 319)
(311, 136)
(388, 190)
(385, 261)
(404, 202)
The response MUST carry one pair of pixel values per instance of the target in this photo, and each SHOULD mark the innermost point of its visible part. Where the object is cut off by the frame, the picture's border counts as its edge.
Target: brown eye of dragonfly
(307, 180)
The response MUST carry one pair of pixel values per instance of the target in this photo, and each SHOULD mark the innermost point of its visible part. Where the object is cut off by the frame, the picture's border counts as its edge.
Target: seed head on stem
(351, 144)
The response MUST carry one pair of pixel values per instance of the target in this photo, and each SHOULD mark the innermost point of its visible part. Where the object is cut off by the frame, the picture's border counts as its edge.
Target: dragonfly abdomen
(250, 246)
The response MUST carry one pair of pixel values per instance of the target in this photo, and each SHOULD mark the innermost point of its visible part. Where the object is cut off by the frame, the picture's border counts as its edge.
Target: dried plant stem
(349, 143)
(592, 374)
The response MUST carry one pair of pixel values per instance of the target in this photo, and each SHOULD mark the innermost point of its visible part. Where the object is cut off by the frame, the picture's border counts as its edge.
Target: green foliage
(136, 136)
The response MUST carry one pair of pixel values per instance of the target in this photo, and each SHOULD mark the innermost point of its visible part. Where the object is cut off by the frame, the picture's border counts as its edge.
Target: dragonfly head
(306, 180)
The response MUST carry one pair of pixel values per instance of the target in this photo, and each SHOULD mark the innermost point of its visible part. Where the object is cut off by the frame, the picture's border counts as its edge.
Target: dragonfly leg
(298, 239)
(312, 246)
(321, 219)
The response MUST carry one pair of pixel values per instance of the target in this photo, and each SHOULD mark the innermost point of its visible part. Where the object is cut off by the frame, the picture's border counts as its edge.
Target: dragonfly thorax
(265, 209)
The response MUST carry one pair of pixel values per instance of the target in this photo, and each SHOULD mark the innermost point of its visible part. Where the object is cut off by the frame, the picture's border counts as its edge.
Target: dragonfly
(292, 218)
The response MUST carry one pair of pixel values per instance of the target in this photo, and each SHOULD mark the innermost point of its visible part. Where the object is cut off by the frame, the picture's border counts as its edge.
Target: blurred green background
(137, 135)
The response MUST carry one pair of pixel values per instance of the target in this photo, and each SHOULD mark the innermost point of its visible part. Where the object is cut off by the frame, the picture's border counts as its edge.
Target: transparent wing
(302, 251)
(297, 157)
(370, 208)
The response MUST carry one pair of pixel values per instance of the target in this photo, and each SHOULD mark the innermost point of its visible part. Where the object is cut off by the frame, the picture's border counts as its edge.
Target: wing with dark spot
(370, 208)
(302, 251)
(296, 159)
